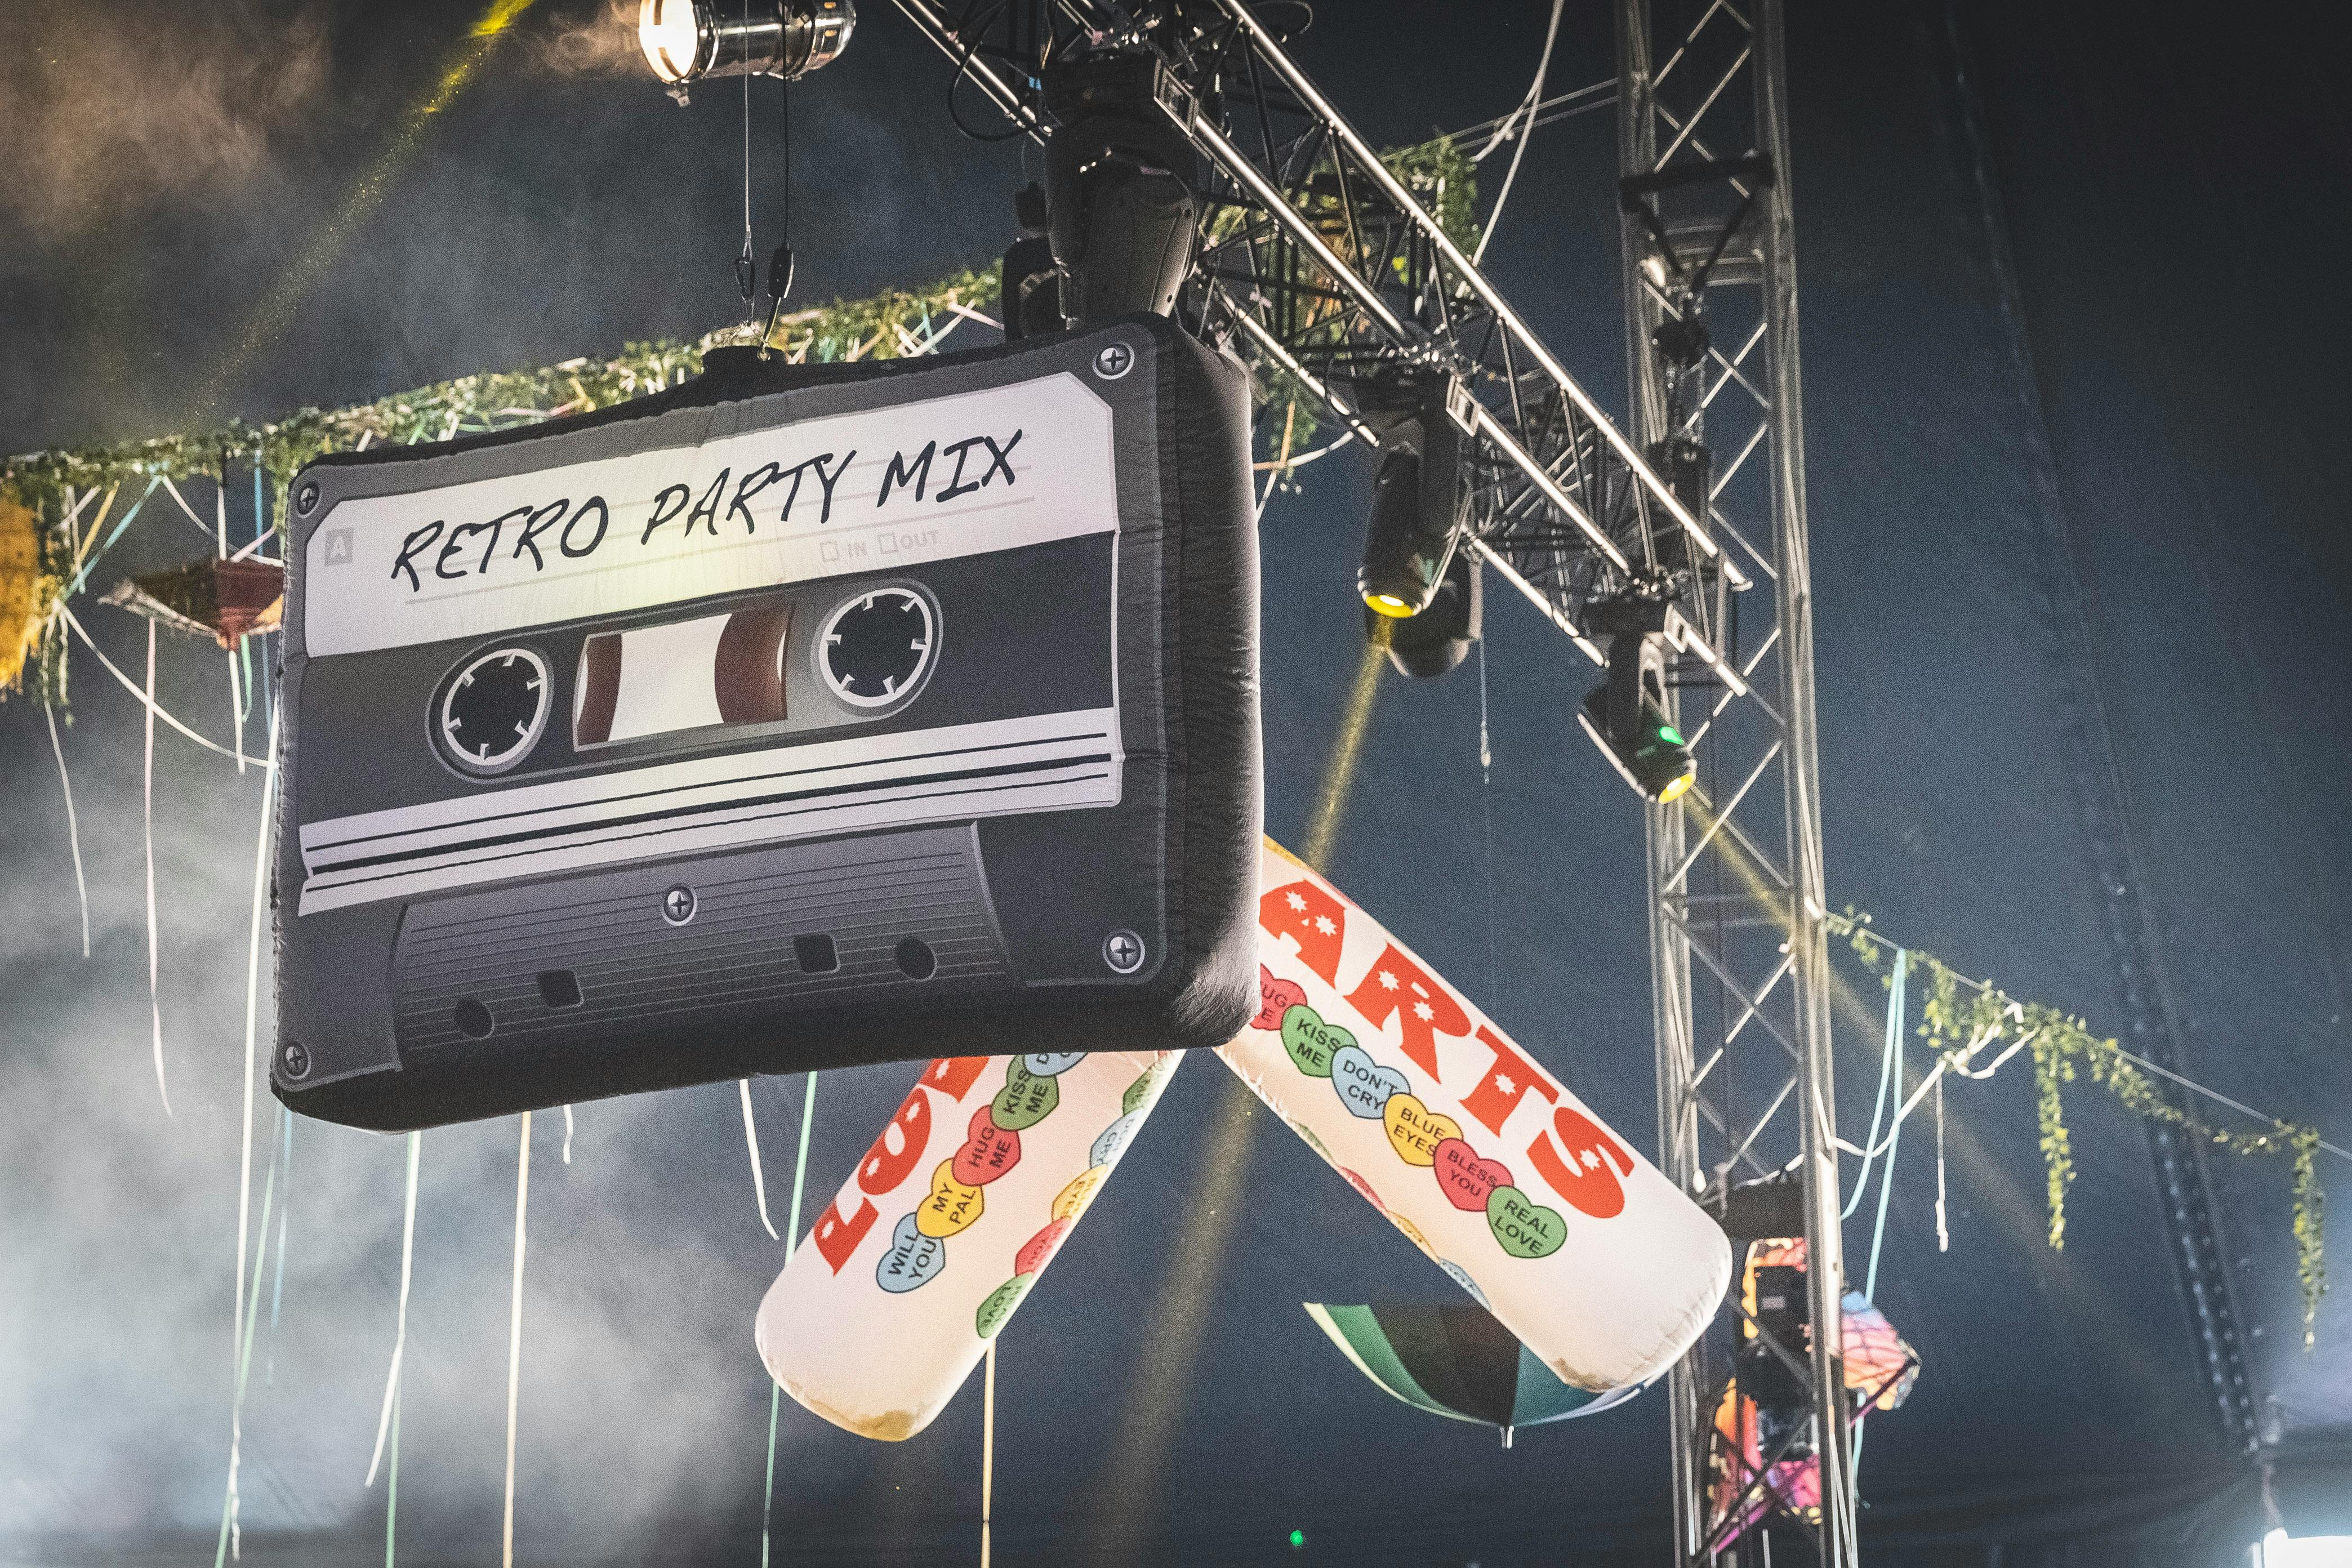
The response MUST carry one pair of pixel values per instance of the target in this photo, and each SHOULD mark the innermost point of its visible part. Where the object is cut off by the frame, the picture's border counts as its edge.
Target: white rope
(1535, 96)
(514, 1337)
(155, 991)
(201, 527)
(752, 1141)
(567, 1135)
(1943, 1227)
(73, 824)
(236, 691)
(257, 541)
(146, 696)
(969, 314)
(987, 1450)
(1303, 459)
(240, 1321)
(400, 1335)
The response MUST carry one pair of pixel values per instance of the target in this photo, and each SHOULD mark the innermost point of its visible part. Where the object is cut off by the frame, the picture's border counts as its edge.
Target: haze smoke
(604, 46)
(109, 109)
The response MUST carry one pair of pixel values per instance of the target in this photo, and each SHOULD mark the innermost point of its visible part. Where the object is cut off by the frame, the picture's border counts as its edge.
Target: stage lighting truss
(1325, 266)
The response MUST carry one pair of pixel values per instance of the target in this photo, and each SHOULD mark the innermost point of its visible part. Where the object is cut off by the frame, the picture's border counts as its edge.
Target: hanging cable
(780, 260)
(285, 1211)
(752, 1141)
(1885, 1076)
(514, 1339)
(792, 1239)
(154, 990)
(1535, 96)
(1943, 1230)
(746, 275)
(1486, 806)
(73, 824)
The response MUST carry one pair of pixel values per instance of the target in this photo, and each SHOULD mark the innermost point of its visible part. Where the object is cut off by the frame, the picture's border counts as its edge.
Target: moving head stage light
(1437, 640)
(1626, 714)
(685, 41)
(1420, 499)
(798, 716)
(1121, 178)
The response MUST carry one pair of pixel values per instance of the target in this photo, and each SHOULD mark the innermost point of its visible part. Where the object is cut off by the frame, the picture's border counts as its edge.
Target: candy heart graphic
(1466, 1178)
(1462, 1277)
(1310, 1041)
(1276, 997)
(1414, 1129)
(1072, 1200)
(1113, 1141)
(1025, 1099)
(1000, 1304)
(1046, 1064)
(952, 1206)
(1141, 1090)
(1039, 1249)
(1363, 1084)
(1364, 1187)
(911, 1260)
(1525, 1229)
(1412, 1232)
(987, 1153)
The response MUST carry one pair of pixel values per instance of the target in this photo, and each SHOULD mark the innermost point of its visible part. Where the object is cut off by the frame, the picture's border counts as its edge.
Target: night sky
(2113, 476)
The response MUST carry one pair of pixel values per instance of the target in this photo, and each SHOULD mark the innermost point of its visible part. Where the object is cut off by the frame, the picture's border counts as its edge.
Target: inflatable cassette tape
(793, 717)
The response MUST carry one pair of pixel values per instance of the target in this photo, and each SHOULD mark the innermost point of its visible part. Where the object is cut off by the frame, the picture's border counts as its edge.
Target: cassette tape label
(968, 474)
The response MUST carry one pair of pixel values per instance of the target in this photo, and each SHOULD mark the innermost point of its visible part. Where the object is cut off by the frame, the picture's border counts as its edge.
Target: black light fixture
(1030, 284)
(1437, 640)
(1783, 1395)
(1419, 497)
(687, 41)
(1121, 178)
(1626, 714)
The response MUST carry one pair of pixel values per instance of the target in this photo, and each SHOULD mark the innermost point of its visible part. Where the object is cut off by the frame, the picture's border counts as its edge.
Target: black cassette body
(796, 717)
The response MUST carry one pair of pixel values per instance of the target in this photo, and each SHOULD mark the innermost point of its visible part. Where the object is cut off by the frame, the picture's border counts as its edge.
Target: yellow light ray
(269, 318)
(1340, 771)
(2020, 1222)
(1179, 1320)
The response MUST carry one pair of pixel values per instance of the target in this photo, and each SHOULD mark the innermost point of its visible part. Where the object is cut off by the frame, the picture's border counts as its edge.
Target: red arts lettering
(1587, 1175)
(1312, 918)
(955, 1076)
(1508, 1078)
(835, 1237)
(883, 1169)
(1423, 1008)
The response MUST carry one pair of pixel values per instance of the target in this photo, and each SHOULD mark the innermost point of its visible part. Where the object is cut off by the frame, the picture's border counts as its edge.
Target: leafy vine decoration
(1961, 1017)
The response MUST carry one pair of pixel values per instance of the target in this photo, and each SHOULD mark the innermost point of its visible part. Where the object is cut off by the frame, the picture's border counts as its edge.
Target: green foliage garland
(1961, 1016)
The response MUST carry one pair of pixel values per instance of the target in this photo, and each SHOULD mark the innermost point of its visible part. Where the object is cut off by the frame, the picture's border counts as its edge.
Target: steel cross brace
(1738, 955)
(1327, 263)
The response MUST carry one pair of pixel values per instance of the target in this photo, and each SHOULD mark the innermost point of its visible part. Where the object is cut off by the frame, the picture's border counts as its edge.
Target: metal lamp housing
(688, 41)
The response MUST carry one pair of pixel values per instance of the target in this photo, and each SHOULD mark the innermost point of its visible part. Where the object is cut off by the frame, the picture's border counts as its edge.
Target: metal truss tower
(1323, 262)
(1738, 951)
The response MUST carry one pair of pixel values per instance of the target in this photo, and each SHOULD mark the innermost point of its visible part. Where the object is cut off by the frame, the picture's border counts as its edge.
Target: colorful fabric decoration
(1453, 1359)
(1761, 1465)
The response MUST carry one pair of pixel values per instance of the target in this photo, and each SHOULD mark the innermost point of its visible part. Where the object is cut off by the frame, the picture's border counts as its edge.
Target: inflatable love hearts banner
(1482, 1158)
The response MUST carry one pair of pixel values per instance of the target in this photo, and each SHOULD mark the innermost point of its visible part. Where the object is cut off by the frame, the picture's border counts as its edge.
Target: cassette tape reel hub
(874, 649)
(706, 792)
(494, 709)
